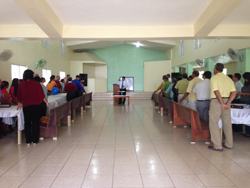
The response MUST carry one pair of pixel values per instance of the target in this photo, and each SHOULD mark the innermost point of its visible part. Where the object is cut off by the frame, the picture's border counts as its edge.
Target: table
(121, 96)
(239, 116)
(12, 112)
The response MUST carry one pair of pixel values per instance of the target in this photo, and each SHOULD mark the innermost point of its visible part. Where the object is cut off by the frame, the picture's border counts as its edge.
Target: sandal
(212, 148)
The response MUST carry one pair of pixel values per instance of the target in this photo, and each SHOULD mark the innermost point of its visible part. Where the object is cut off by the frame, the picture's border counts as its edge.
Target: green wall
(124, 60)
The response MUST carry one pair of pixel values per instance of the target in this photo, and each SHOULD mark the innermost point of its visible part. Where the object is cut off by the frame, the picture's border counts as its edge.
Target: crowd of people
(211, 97)
(31, 94)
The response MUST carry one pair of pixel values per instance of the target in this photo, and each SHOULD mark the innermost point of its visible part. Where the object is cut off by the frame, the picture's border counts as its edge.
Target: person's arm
(47, 103)
(169, 89)
(159, 88)
(6, 98)
(247, 94)
(80, 85)
(184, 96)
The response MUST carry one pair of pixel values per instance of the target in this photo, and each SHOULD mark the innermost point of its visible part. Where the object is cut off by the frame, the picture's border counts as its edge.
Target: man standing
(181, 88)
(57, 80)
(202, 91)
(191, 95)
(165, 87)
(78, 86)
(123, 88)
(169, 79)
(238, 85)
(222, 94)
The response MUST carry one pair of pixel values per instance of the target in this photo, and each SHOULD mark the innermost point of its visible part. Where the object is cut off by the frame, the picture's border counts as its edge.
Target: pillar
(210, 62)
(176, 69)
(189, 68)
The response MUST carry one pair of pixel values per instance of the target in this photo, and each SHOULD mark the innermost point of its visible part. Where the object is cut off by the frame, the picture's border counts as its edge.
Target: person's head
(37, 78)
(207, 75)
(246, 77)
(184, 75)
(174, 80)
(4, 85)
(165, 78)
(62, 80)
(218, 68)
(52, 78)
(68, 75)
(15, 83)
(190, 78)
(57, 78)
(65, 79)
(123, 78)
(42, 80)
(236, 77)
(195, 74)
(168, 75)
(28, 75)
(78, 77)
(230, 76)
(69, 79)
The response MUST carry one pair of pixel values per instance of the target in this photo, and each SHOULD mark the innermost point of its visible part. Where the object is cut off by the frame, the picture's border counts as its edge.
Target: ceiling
(124, 20)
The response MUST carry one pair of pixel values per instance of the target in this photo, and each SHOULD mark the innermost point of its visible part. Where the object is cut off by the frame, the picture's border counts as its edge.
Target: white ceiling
(90, 45)
(128, 12)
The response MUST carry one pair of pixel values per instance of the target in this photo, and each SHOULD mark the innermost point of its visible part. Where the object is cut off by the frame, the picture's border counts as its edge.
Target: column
(189, 68)
(176, 69)
(209, 65)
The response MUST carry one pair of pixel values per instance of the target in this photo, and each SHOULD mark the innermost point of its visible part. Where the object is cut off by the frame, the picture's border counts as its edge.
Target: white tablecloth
(12, 112)
(56, 100)
(239, 116)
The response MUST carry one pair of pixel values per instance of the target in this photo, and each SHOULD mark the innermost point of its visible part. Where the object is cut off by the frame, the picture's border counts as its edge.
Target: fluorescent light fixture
(138, 44)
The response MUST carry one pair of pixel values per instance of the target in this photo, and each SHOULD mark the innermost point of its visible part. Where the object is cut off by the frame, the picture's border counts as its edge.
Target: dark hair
(196, 73)
(62, 80)
(174, 80)
(69, 79)
(68, 75)
(207, 74)
(230, 76)
(37, 78)
(77, 76)
(28, 75)
(168, 75)
(41, 79)
(237, 75)
(190, 77)
(52, 77)
(219, 67)
(165, 77)
(246, 76)
(123, 77)
(15, 83)
(4, 84)
(184, 75)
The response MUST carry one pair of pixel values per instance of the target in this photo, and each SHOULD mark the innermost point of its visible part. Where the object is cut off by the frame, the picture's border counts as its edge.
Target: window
(46, 44)
(17, 71)
(46, 74)
(225, 71)
(197, 44)
(181, 47)
(62, 74)
(201, 74)
(62, 49)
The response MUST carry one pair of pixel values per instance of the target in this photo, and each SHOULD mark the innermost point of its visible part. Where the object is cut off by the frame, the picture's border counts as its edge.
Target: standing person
(238, 85)
(175, 98)
(51, 83)
(78, 86)
(45, 91)
(202, 91)
(13, 90)
(165, 87)
(30, 95)
(63, 82)
(123, 88)
(70, 89)
(169, 78)
(170, 89)
(190, 78)
(189, 93)
(222, 94)
(181, 88)
(57, 80)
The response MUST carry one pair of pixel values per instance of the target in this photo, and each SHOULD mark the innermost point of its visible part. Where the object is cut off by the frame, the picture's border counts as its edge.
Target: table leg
(19, 133)
(128, 101)
(81, 110)
(69, 120)
(114, 101)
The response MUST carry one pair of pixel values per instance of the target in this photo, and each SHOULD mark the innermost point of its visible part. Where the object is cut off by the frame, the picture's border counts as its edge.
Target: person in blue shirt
(170, 90)
(78, 86)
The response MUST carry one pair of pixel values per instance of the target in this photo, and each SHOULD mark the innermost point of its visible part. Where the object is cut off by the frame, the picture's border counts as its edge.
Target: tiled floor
(123, 146)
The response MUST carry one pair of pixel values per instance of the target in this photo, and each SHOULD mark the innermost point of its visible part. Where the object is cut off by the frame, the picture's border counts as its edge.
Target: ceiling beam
(231, 31)
(127, 32)
(216, 12)
(43, 15)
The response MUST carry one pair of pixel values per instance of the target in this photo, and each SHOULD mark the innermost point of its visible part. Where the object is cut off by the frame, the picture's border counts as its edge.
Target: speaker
(175, 75)
(84, 79)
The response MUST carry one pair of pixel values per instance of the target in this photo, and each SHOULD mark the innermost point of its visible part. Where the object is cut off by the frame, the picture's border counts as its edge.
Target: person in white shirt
(238, 85)
(202, 91)
(123, 88)
(169, 79)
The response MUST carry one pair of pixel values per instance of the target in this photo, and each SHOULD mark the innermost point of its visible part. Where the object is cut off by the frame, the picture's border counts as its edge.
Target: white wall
(153, 72)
